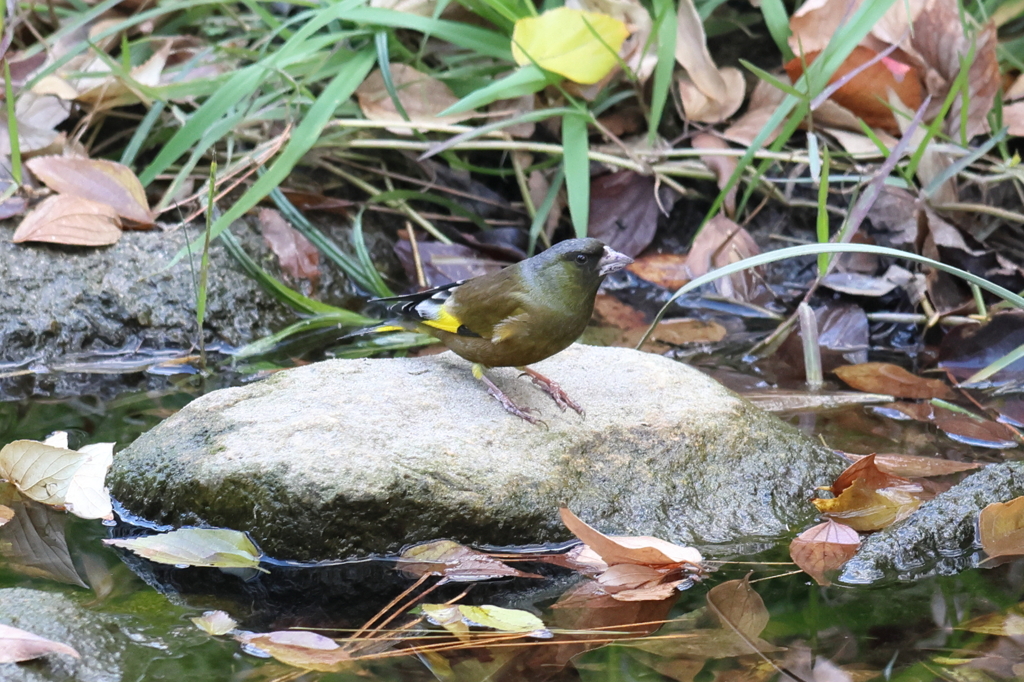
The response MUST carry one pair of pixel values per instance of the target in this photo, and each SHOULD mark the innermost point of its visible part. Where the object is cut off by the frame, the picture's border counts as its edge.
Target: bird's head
(581, 262)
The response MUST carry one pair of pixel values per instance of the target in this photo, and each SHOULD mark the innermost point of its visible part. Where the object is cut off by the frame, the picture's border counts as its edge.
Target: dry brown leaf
(866, 94)
(37, 116)
(867, 472)
(816, 21)
(624, 211)
(422, 96)
(882, 377)
(722, 166)
(763, 102)
(721, 243)
(708, 94)
(629, 550)
(6, 514)
(916, 466)
(1001, 528)
(1013, 118)
(664, 269)
(301, 648)
(17, 645)
(113, 91)
(455, 563)
(296, 254)
(863, 508)
(824, 548)
(737, 605)
(98, 180)
(64, 219)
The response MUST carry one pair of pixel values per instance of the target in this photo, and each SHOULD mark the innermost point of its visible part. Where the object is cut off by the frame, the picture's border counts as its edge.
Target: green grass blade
(378, 288)
(12, 126)
(665, 30)
(267, 344)
(544, 209)
(302, 139)
(528, 117)
(524, 81)
(777, 21)
(576, 162)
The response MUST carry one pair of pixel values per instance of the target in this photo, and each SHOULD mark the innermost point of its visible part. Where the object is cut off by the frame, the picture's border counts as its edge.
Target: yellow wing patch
(445, 322)
(384, 328)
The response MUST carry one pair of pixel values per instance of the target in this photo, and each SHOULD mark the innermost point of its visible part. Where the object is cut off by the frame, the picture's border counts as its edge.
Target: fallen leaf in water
(864, 509)
(967, 348)
(737, 605)
(487, 616)
(17, 645)
(824, 548)
(6, 514)
(629, 550)
(211, 547)
(882, 377)
(869, 474)
(300, 648)
(60, 477)
(1008, 623)
(34, 542)
(64, 219)
(455, 562)
(1001, 528)
(915, 466)
(215, 623)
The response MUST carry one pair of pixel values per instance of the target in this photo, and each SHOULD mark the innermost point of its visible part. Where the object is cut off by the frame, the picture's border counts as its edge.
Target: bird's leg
(499, 395)
(560, 397)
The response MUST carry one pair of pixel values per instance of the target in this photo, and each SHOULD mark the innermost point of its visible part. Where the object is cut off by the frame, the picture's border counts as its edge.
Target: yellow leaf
(582, 46)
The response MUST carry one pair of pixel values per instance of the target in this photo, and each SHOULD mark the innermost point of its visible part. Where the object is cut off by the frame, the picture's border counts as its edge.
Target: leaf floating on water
(6, 514)
(215, 623)
(871, 476)
(738, 606)
(17, 645)
(864, 508)
(301, 648)
(824, 548)
(60, 477)
(456, 563)
(630, 550)
(1008, 623)
(1001, 528)
(916, 466)
(882, 377)
(486, 616)
(209, 547)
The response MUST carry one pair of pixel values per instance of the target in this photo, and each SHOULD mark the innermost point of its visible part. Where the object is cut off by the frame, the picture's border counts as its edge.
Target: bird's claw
(556, 392)
(510, 405)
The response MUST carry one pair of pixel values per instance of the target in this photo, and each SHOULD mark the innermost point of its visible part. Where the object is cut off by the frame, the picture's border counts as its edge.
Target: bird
(514, 317)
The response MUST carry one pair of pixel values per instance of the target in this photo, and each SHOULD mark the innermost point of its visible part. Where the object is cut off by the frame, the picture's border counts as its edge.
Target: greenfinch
(515, 317)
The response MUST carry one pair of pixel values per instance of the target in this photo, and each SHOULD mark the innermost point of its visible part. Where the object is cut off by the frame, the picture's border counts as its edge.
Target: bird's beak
(612, 261)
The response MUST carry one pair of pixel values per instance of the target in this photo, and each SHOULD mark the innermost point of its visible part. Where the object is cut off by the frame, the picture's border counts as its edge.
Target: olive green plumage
(517, 316)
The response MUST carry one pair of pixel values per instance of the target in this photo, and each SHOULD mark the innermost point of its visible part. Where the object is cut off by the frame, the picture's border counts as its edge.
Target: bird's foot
(556, 392)
(506, 402)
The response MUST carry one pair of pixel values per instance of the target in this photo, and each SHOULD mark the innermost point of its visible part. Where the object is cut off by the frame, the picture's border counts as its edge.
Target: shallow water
(903, 631)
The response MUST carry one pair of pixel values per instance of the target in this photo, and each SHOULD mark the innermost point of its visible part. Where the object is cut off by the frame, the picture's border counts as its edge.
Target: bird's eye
(581, 259)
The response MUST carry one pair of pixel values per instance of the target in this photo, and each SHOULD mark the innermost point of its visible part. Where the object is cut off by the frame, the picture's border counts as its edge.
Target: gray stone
(350, 457)
(95, 636)
(939, 537)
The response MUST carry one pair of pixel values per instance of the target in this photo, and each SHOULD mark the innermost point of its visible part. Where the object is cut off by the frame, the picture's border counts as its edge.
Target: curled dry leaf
(882, 377)
(215, 623)
(824, 548)
(99, 180)
(60, 477)
(64, 219)
(455, 562)
(17, 645)
(37, 116)
(721, 243)
(708, 94)
(915, 466)
(1001, 528)
(296, 254)
(629, 550)
(422, 96)
(864, 508)
(301, 649)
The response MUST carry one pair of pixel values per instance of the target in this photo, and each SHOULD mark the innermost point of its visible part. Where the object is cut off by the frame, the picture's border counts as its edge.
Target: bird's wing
(429, 308)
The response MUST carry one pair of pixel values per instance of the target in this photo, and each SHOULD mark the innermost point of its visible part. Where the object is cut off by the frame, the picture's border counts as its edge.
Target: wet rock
(61, 303)
(350, 457)
(95, 636)
(939, 538)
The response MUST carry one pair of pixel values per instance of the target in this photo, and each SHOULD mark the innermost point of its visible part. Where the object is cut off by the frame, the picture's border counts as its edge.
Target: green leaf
(581, 46)
(576, 162)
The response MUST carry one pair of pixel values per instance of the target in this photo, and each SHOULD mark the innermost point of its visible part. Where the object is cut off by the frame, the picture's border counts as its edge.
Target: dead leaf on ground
(629, 550)
(422, 96)
(1001, 528)
(296, 254)
(883, 377)
(444, 263)
(968, 348)
(455, 563)
(708, 94)
(99, 180)
(17, 645)
(722, 242)
(721, 165)
(64, 219)
(624, 210)
(667, 270)
(824, 548)
(762, 106)
(915, 466)
(37, 116)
